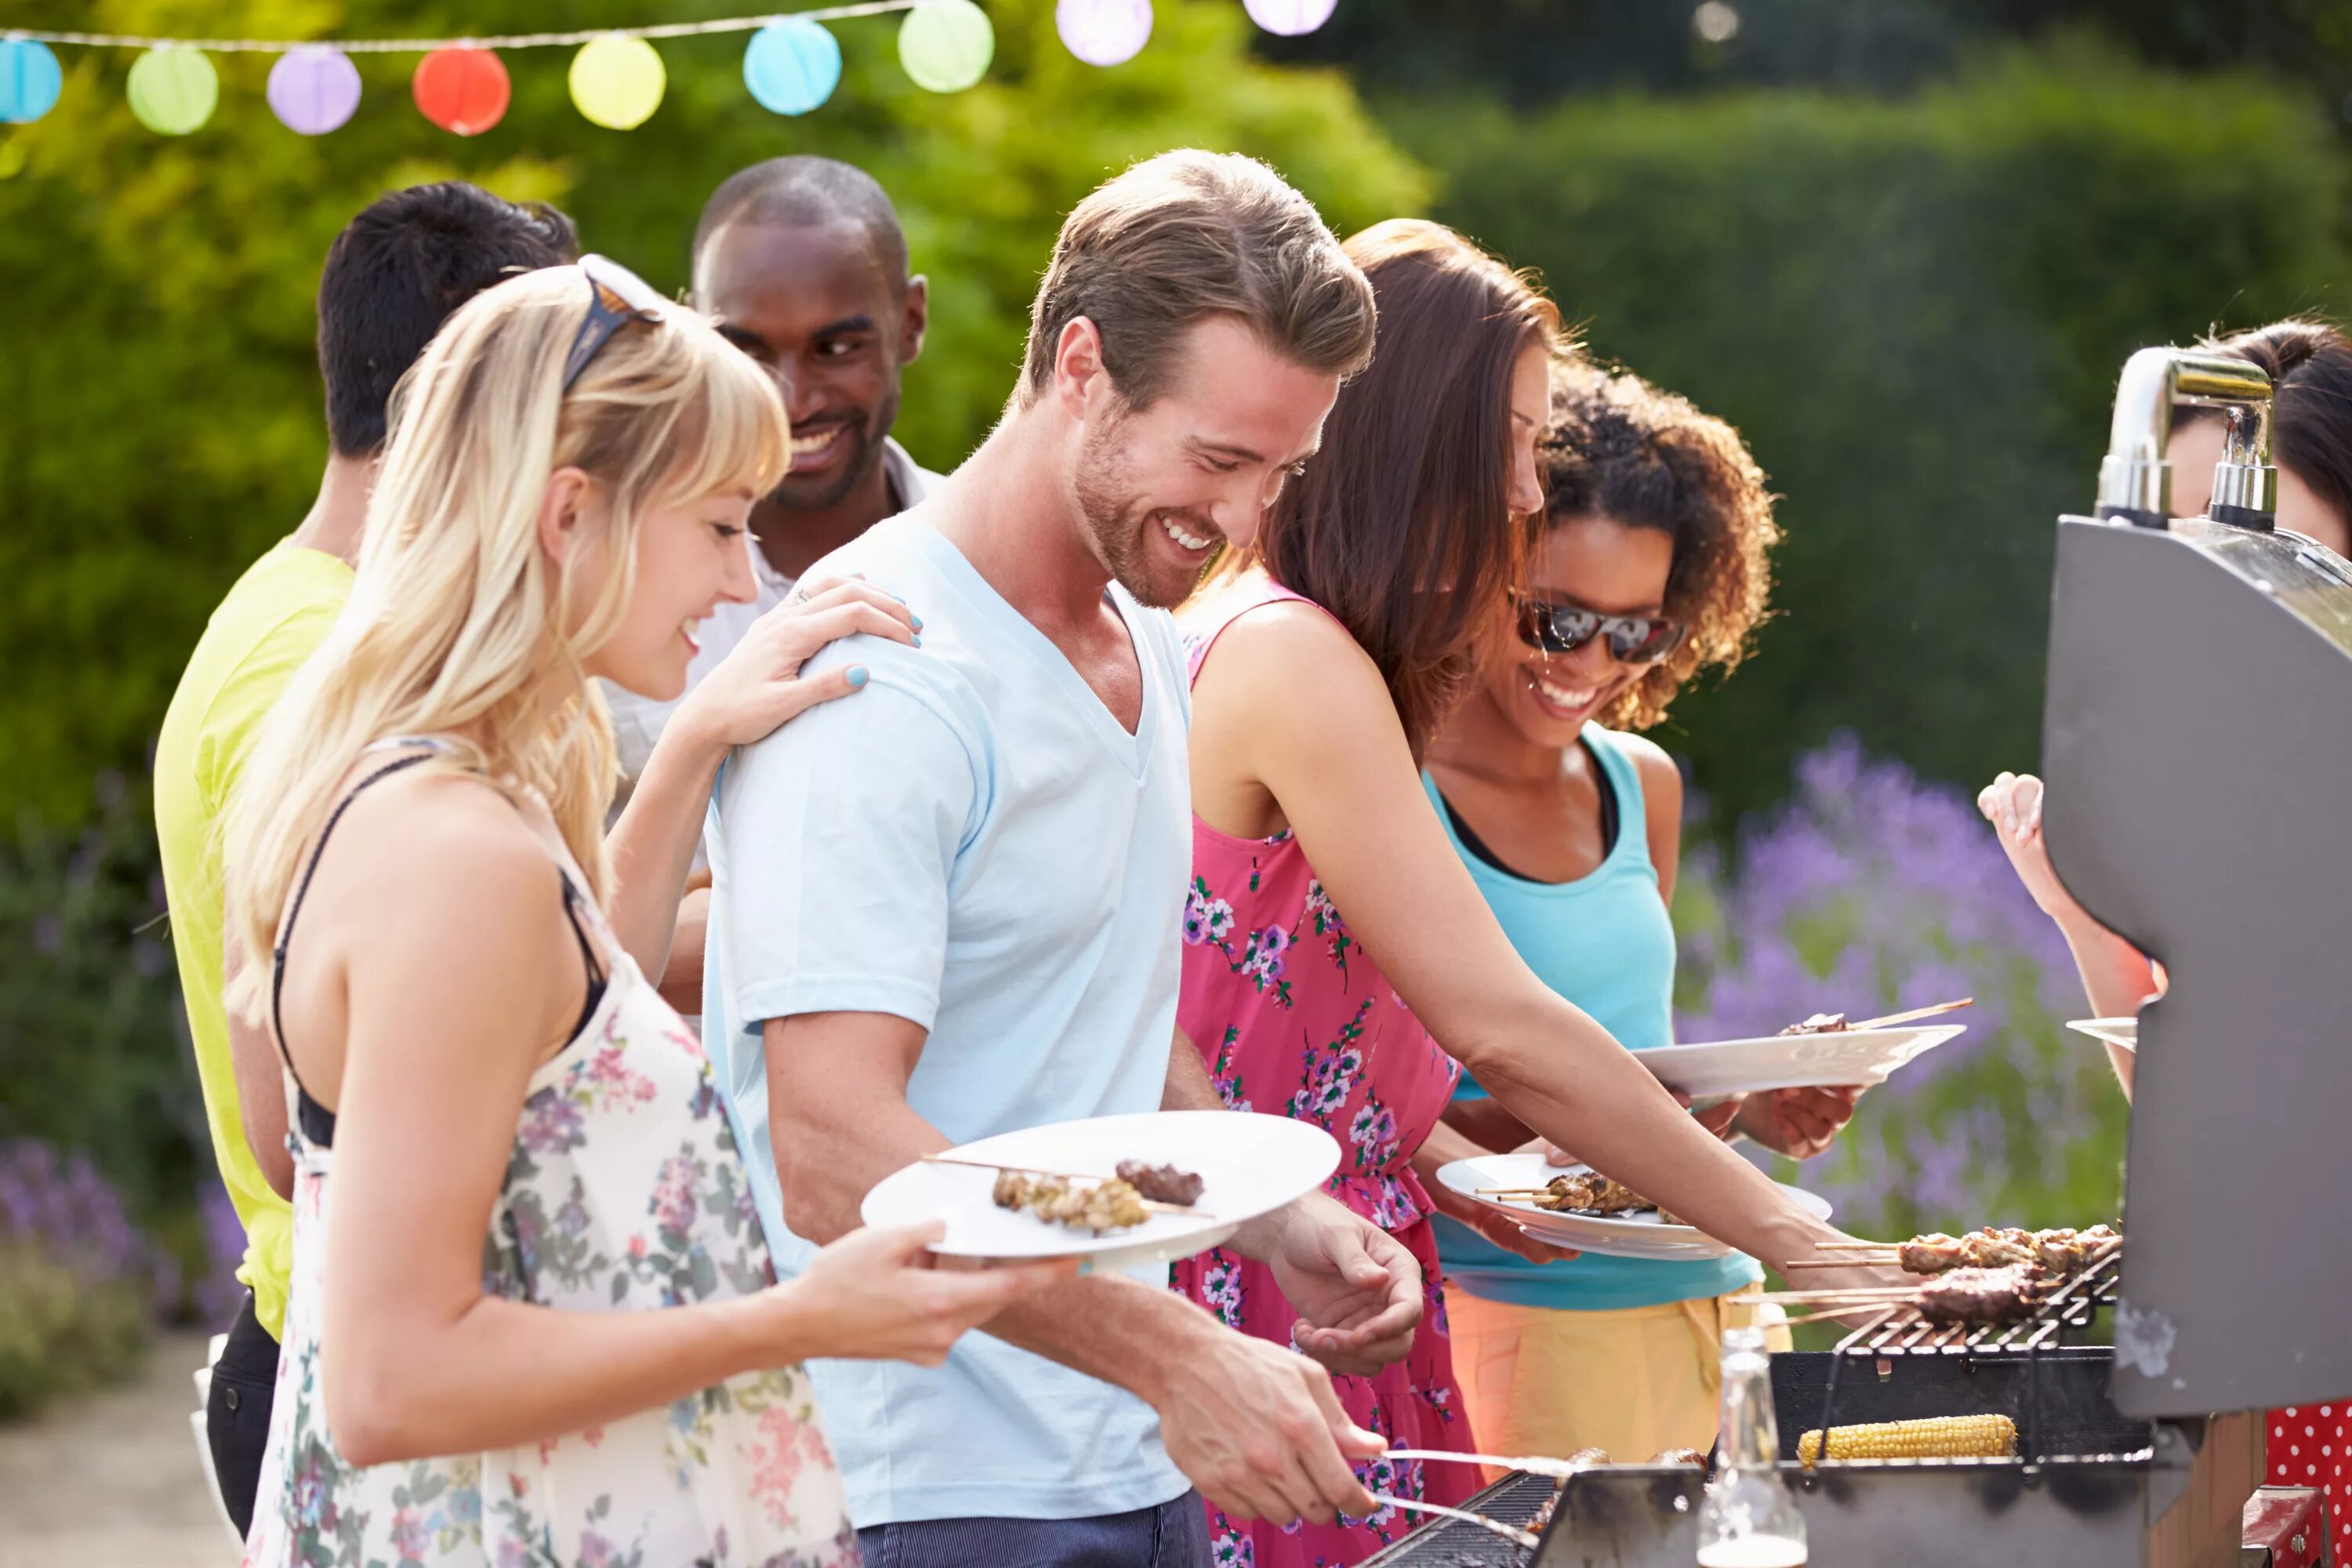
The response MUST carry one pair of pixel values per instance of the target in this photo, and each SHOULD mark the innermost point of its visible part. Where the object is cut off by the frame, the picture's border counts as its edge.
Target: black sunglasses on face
(1563, 628)
(617, 297)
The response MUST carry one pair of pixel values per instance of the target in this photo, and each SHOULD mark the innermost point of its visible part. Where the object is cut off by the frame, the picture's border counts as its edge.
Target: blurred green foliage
(60, 1332)
(159, 407)
(1914, 310)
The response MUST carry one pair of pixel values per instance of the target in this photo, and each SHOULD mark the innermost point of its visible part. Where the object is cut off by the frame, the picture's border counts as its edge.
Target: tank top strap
(1257, 594)
(1624, 779)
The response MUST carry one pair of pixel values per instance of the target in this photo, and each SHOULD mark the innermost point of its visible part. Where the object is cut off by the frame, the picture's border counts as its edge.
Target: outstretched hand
(1356, 1289)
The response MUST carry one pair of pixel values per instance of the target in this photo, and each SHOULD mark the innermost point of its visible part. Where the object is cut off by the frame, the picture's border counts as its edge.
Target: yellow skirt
(1634, 1380)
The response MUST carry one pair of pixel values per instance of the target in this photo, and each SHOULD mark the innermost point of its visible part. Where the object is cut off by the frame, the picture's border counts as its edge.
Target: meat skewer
(1835, 1023)
(1097, 1206)
(1583, 1193)
(1156, 1205)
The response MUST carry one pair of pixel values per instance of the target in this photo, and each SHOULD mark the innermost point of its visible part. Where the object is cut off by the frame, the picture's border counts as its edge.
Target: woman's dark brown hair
(2309, 362)
(1620, 449)
(1402, 525)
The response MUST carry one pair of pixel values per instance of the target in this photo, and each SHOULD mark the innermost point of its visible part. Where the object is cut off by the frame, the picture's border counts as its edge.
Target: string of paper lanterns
(791, 65)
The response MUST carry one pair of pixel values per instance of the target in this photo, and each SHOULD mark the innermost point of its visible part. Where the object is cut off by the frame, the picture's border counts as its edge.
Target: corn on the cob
(1938, 1437)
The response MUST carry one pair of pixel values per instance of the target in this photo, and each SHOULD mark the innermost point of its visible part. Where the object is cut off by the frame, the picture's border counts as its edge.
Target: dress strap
(1265, 591)
(302, 888)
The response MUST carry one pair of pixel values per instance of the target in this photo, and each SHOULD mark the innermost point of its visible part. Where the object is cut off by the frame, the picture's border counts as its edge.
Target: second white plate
(1643, 1234)
(1792, 1061)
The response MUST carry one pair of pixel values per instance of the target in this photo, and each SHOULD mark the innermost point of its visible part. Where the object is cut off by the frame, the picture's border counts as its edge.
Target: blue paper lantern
(30, 80)
(791, 66)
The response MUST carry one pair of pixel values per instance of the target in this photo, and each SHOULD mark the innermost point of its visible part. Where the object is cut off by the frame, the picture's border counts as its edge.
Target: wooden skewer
(1858, 1247)
(1872, 1293)
(1533, 1463)
(1841, 1262)
(1913, 1016)
(1152, 1204)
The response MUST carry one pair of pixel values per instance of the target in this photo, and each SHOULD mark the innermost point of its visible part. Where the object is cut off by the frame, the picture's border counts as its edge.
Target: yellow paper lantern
(946, 45)
(617, 81)
(173, 90)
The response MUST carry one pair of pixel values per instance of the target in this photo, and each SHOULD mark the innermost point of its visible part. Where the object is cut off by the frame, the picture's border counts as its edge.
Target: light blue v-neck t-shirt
(972, 843)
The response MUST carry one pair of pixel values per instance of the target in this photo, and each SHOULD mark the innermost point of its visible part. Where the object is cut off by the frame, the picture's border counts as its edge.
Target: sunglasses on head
(617, 297)
(1563, 628)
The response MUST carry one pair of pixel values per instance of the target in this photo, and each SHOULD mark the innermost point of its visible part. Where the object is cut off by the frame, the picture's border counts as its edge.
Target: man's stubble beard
(1115, 517)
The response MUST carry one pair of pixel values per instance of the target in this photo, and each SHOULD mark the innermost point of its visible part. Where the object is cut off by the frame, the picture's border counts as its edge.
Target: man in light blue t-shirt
(951, 907)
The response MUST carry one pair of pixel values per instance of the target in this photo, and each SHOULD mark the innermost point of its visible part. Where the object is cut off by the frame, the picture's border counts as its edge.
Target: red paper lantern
(462, 90)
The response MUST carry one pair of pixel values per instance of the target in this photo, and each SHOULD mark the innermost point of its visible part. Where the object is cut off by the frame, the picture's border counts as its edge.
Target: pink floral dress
(1295, 1018)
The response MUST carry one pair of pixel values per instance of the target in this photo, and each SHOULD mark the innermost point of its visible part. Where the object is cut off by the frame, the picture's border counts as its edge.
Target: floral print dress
(1295, 1019)
(624, 1192)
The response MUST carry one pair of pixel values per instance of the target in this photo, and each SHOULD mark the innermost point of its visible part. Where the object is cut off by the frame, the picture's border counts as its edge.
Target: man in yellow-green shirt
(392, 276)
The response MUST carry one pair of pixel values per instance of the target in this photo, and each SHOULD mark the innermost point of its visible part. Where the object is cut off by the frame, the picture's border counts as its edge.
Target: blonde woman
(532, 1317)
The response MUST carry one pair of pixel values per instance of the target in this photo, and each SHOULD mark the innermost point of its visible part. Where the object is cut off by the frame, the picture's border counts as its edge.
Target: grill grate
(1452, 1543)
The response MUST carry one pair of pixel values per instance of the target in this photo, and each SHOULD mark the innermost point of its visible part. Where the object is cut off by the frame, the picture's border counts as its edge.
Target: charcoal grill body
(2198, 745)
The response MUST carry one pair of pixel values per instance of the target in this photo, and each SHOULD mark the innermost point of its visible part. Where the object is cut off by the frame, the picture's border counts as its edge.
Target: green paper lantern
(946, 45)
(617, 81)
(173, 90)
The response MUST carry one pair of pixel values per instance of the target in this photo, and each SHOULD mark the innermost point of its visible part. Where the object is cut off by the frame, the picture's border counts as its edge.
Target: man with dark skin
(802, 263)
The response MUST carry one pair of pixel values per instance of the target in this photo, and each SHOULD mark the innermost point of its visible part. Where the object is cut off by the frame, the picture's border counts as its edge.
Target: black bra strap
(294, 910)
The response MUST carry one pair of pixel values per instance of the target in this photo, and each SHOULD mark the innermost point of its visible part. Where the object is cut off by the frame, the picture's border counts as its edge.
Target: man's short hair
(1186, 236)
(809, 193)
(394, 275)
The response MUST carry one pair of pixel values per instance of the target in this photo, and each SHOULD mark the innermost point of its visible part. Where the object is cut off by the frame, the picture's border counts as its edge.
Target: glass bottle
(1749, 1518)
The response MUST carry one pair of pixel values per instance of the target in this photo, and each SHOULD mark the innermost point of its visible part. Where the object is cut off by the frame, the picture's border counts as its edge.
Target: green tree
(1915, 311)
(157, 392)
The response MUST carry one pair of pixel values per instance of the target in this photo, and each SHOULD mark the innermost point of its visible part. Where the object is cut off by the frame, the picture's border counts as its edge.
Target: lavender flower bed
(1871, 891)
(80, 1285)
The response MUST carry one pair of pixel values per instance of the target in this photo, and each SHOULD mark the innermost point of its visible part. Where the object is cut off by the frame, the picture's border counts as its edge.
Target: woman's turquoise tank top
(1606, 943)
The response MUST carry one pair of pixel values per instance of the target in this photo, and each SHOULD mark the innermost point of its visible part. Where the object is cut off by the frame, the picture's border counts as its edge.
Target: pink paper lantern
(1104, 32)
(1290, 17)
(314, 90)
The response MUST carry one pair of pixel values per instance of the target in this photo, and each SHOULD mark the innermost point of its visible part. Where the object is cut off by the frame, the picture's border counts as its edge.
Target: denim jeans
(1174, 1535)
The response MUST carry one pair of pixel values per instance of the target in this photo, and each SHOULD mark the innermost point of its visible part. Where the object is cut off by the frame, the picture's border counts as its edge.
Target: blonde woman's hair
(458, 621)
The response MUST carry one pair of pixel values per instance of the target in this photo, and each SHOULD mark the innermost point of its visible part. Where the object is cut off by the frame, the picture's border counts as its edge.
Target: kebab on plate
(1591, 1192)
(1097, 1207)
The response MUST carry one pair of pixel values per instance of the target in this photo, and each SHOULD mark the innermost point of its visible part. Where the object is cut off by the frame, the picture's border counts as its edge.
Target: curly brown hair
(1620, 449)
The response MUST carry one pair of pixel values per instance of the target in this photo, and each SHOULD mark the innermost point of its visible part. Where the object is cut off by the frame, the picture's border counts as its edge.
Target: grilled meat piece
(1097, 1206)
(1820, 1024)
(1589, 1457)
(2065, 1252)
(1588, 1191)
(1161, 1183)
(1679, 1457)
(1983, 1295)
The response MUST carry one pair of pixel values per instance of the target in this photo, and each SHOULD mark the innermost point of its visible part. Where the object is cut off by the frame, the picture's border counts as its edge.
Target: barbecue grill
(2197, 743)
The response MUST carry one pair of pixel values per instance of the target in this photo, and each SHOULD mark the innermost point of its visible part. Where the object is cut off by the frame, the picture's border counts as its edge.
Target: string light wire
(427, 46)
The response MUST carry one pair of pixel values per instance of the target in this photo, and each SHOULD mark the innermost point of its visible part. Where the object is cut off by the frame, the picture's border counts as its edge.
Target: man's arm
(261, 1100)
(1256, 1428)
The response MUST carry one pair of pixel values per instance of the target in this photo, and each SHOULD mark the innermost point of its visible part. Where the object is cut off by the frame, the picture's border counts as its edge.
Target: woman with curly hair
(1651, 567)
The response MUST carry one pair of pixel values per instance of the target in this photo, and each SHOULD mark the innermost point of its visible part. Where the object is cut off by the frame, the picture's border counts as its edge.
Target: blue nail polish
(919, 639)
(900, 597)
(856, 676)
(1085, 1266)
(915, 619)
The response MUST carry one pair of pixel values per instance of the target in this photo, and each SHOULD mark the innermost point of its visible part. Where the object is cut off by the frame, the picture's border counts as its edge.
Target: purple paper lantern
(1290, 17)
(314, 90)
(1104, 32)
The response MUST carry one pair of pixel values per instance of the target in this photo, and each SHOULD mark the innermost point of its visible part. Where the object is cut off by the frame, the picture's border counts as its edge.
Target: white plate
(1248, 1164)
(2124, 1032)
(1641, 1234)
(1792, 1061)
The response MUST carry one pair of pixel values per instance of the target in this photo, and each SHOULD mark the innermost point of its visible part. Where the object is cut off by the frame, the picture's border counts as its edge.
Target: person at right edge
(949, 909)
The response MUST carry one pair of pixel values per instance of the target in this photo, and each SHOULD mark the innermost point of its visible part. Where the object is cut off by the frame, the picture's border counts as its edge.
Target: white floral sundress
(625, 1192)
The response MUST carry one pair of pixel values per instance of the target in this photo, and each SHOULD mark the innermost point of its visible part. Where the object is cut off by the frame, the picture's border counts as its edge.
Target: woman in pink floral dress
(1330, 919)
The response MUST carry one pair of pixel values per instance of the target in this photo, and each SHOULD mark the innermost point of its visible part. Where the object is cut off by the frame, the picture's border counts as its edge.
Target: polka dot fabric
(2307, 1449)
